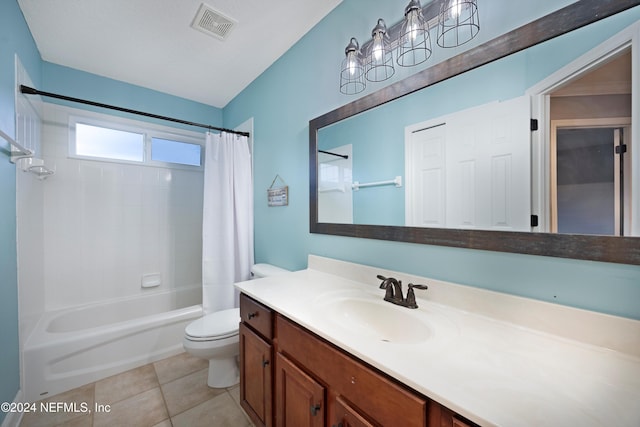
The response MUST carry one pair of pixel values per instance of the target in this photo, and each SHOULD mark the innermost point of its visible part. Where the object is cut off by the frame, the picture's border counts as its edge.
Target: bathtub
(73, 347)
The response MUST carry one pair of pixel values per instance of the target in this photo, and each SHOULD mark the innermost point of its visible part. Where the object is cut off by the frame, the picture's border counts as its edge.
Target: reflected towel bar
(397, 181)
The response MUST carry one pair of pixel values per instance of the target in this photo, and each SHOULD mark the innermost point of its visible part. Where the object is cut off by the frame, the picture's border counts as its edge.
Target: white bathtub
(72, 347)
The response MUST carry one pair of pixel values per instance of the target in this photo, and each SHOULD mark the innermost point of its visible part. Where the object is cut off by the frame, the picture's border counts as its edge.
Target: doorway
(589, 181)
(583, 157)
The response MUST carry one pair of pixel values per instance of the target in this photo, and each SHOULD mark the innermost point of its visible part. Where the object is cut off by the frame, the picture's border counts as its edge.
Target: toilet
(215, 337)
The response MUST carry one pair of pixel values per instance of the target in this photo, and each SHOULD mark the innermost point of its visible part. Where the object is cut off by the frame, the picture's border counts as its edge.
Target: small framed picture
(278, 196)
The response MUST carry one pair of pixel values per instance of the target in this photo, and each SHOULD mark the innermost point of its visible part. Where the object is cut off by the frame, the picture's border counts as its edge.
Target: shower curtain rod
(31, 91)
(344, 156)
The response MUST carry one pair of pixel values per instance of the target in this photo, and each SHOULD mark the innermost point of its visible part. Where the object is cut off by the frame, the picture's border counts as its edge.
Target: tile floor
(170, 392)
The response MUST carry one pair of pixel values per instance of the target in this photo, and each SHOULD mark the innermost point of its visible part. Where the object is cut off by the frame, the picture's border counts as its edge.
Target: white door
(476, 168)
(425, 170)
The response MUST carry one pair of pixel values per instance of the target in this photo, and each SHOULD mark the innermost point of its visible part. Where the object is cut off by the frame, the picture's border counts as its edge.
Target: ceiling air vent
(212, 22)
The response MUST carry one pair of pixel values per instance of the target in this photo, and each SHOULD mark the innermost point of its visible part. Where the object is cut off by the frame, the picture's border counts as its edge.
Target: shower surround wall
(106, 224)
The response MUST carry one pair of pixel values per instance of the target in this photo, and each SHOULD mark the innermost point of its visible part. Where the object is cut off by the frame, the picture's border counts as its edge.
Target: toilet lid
(218, 325)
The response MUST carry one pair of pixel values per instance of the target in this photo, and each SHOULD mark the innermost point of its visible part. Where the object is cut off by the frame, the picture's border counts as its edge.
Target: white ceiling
(151, 43)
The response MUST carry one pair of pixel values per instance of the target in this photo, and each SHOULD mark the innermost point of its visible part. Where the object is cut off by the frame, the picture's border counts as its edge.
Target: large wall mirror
(451, 156)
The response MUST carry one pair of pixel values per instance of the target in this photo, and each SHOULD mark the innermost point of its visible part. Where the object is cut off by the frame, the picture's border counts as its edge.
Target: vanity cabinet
(365, 396)
(300, 399)
(256, 361)
(316, 384)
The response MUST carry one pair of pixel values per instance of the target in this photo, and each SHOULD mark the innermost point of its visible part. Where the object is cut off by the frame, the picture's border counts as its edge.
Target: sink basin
(376, 319)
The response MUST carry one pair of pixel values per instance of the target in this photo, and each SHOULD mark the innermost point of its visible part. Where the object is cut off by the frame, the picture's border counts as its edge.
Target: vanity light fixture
(379, 63)
(414, 46)
(352, 70)
(456, 21)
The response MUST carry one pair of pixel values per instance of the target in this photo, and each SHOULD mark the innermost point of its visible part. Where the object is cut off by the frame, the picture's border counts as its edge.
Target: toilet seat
(215, 326)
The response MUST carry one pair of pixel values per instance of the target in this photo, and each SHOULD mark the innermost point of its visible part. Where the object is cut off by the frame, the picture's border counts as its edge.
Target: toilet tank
(266, 270)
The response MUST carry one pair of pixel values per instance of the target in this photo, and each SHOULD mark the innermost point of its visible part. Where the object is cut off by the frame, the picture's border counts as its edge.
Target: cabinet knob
(265, 362)
(314, 409)
(252, 315)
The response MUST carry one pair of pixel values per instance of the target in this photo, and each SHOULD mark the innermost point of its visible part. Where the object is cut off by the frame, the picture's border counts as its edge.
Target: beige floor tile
(221, 411)
(187, 392)
(178, 366)
(165, 423)
(80, 399)
(83, 421)
(145, 409)
(235, 393)
(122, 386)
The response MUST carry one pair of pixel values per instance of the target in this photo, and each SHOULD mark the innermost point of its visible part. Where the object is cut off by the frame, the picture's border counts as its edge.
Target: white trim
(635, 118)
(149, 130)
(540, 106)
(607, 122)
(13, 419)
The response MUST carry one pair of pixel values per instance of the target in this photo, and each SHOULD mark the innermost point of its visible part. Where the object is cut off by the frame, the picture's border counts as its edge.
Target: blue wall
(303, 84)
(378, 135)
(79, 84)
(14, 38)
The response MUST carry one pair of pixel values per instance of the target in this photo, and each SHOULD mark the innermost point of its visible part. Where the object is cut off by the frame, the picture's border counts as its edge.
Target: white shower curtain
(227, 229)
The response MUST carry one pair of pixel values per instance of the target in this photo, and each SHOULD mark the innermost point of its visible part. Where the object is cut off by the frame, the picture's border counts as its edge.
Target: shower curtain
(227, 229)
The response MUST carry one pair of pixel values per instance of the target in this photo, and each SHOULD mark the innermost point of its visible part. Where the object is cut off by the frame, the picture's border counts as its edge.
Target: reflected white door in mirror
(471, 169)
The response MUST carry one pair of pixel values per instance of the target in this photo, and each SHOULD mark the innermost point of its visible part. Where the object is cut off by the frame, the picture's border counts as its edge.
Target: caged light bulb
(456, 7)
(353, 64)
(377, 48)
(414, 26)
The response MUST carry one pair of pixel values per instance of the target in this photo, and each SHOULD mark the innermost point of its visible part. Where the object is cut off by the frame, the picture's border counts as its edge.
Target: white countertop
(492, 371)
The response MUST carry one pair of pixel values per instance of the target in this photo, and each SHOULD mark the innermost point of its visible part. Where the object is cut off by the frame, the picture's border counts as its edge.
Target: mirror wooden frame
(624, 250)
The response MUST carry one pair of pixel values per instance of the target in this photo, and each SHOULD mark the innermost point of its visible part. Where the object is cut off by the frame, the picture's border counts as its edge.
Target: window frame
(148, 130)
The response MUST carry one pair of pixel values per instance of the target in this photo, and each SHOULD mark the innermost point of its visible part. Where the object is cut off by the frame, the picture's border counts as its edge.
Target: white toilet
(215, 337)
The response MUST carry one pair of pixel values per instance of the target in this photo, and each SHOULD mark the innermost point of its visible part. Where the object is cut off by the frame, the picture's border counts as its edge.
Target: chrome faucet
(393, 294)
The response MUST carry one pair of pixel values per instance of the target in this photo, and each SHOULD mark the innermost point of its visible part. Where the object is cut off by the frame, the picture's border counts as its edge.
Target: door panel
(300, 400)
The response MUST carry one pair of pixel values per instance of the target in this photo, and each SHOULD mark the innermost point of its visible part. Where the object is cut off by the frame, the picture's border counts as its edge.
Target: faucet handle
(411, 296)
(389, 294)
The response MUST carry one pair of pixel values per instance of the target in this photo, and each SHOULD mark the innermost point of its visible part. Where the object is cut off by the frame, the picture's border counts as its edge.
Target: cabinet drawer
(372, 393)
(256, 315)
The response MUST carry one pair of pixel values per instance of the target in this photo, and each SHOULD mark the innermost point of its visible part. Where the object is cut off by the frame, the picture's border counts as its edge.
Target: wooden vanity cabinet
(290, 377)
(300, 399)
(256, 361)
(346, 416)
(356, 394)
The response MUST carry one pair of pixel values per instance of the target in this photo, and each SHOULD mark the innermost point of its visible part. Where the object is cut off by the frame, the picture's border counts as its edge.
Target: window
(95, 141)
(134, 142)
(169, 151)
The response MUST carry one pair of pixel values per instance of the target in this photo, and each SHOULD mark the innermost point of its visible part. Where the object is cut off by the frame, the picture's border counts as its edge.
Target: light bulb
(352, 64)
(456, 8)
(413, 26)
(377, 48)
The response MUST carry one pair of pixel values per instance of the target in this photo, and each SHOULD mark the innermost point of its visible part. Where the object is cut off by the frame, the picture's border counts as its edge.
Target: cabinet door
(255, 377)
(440, 416)
(300, 400)
(346, 416)
(377, 396)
